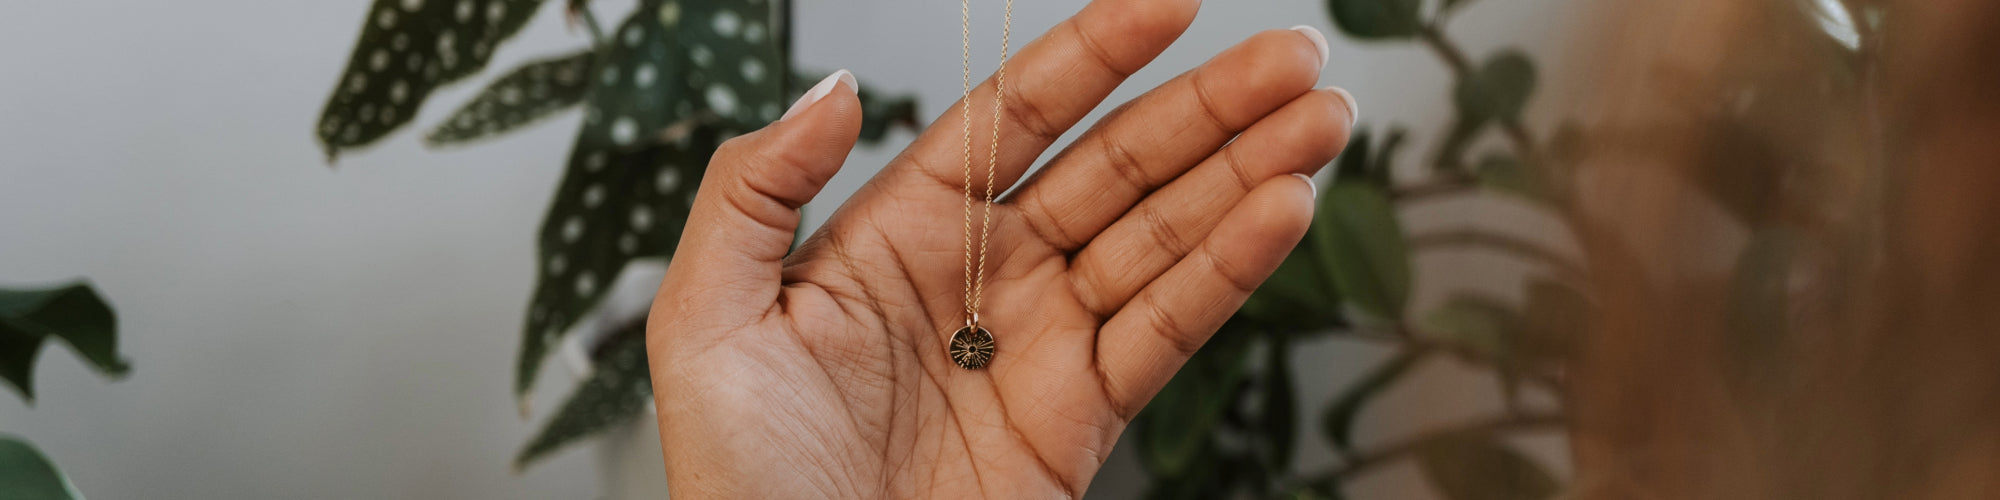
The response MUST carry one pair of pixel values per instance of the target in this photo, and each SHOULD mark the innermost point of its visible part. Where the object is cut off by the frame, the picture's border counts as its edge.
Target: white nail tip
(1353, 108)
(819, 91)
(1318, 40)
(1310, 185)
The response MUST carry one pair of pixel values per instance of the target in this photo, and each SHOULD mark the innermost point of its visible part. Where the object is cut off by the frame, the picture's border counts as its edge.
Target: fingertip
(1283, 207)
(1349, 106)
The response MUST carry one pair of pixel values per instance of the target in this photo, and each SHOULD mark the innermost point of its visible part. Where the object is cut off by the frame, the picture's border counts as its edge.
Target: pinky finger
(1147, 340)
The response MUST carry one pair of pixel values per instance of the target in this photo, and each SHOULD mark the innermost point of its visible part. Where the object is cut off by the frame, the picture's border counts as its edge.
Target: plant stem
(1461, 66)
(1395, 450)
(590, 22)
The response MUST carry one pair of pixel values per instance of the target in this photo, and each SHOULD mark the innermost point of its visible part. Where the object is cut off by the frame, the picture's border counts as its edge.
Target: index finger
(1050, 84)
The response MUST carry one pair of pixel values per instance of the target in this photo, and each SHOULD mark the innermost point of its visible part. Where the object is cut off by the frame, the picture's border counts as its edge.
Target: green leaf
(1377, 19)
(676, 80)
(613, 206)
(1475, 467)
(1280, 419)
(1338, 421)
(617, 391)
(27, 474)
(74, 314)
(1476, 325)
(1361, 244)
(407, 49)
(1497, 90)
(879, 113)
(529, 93)
(1177, 427)
(1364, 161)
(1297, 298)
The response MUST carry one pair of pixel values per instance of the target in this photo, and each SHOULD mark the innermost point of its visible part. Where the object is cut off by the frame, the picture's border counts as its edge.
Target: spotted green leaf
(617, 391)
(73, 314)
(676, 79)
(630, 179)
(533, 91)
(407, 49)
(1497, 90)
(1476, 467)
(27, 474)
(1337, 424)
(613, 206)
(1377, 19)
(1361, 245)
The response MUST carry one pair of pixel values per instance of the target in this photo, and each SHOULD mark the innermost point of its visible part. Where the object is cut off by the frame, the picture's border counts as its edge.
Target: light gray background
(304, 332)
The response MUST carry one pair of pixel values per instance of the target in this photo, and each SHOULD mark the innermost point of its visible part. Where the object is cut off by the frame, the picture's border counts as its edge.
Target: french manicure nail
(1353, 110)
(1309, 183)
(820, 90)
(1319, 42)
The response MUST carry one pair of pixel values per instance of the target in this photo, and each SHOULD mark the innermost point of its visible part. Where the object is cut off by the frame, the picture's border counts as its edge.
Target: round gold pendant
(971, 347)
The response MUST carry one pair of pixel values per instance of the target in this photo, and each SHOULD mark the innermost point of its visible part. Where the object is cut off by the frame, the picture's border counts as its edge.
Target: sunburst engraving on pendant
(971, 347)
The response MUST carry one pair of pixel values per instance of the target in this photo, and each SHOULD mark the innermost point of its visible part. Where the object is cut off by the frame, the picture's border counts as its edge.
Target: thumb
(747, 210)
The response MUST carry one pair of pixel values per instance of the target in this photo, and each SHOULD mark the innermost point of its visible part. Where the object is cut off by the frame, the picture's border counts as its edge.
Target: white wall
(304, 332)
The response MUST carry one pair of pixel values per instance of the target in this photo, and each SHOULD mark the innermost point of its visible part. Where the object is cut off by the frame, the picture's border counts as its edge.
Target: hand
(823, 373)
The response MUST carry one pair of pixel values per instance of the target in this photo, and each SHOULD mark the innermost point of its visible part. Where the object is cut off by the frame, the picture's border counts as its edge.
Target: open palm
(823, 373)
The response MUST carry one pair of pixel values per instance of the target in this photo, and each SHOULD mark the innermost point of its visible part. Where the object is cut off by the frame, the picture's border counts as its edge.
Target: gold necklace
(972, 345)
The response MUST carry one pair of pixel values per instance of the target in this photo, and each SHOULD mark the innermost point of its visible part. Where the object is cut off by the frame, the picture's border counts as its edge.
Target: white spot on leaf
(593, 196)
(670, 14)
(643, 77)
(727, 23)
(642, 218)
(634, 35)
(572, 229)
(701, 55)
(753, 71)
(624, 131)
(721, 100)
(668, 180)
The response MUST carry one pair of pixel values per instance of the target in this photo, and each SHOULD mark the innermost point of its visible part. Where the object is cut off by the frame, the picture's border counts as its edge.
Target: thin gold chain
(975, 277)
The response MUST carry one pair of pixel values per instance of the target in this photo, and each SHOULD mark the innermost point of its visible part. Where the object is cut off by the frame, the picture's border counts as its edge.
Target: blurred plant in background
(1226, 424)
(660, 90)
(73, 314)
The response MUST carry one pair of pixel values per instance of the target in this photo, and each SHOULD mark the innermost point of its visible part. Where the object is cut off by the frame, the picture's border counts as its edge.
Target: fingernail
(820, 90)
(1310, 186)
(1319, 42)
(1353, 110)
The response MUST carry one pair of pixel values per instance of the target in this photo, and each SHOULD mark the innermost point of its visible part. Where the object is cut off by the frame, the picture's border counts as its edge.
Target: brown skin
(823, 374)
